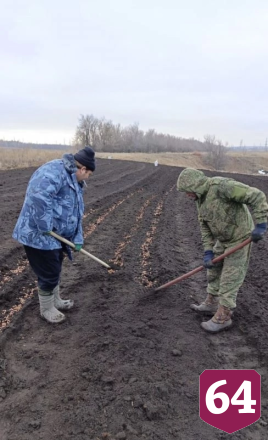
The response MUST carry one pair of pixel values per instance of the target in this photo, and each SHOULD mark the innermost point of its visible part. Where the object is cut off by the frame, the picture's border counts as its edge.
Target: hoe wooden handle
(72, 245)
(198, 269)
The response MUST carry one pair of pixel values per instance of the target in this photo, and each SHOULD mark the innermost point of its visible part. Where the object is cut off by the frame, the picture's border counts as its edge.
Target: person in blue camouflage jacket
(225, 221)
(54, 202)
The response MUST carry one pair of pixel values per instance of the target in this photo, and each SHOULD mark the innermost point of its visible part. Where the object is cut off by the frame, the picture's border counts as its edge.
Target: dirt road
(124, 365)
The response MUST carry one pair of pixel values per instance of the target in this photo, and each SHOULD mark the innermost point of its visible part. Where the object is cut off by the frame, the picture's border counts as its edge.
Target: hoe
(83, 251)
(198, 269)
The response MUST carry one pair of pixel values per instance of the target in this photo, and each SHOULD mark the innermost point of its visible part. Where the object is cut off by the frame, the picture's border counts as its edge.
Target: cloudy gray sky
(185, 68)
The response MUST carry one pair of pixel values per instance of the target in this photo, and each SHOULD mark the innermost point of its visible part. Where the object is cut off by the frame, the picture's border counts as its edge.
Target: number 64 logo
(230, 399)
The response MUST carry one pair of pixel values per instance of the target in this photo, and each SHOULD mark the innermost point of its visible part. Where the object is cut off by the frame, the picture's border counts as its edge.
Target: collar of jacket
(69, 165)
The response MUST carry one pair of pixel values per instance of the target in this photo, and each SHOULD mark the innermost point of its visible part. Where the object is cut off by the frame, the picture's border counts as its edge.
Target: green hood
(194, 181)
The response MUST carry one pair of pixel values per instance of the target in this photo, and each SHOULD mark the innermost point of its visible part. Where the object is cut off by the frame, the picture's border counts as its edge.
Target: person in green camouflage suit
(225, 221)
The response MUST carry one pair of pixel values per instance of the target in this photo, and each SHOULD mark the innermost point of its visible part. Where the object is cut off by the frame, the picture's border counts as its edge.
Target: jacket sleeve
(78, 238)
(206, 236)
(41, 194)
(250, 196)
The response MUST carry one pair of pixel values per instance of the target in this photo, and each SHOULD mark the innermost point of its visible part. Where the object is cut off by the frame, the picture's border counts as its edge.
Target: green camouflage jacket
(221, 205)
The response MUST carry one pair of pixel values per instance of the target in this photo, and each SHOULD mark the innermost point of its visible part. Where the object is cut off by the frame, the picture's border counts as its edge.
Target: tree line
(105, 136)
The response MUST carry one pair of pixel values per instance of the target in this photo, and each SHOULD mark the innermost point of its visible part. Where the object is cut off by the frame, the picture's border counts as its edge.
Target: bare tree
(209, 141)
(86, 131)
(105, 131)
(217, 152)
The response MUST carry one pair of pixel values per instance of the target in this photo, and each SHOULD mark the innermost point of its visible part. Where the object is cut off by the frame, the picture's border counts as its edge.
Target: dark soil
(126, 363)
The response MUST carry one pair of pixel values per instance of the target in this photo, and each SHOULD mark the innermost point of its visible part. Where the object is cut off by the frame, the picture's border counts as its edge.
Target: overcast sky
(187, 68)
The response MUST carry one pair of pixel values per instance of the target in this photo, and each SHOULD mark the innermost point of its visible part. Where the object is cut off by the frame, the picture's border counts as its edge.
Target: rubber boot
(47, 309)
(220, 321)
(207, 307)
(61, 304)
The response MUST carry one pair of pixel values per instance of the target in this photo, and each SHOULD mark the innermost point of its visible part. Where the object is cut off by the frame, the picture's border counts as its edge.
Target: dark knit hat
(86, 157)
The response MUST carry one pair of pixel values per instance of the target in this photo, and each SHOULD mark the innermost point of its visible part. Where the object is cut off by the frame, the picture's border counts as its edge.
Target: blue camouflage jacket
(53, 202)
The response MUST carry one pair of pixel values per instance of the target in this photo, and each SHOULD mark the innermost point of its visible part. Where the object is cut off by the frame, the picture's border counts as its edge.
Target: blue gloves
(259, 231)
(208, 256)
(78, 247)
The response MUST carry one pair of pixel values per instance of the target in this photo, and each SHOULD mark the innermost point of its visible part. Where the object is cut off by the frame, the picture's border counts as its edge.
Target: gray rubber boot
(207, 307)
(61, 304)
(220, 321)
(47, 309)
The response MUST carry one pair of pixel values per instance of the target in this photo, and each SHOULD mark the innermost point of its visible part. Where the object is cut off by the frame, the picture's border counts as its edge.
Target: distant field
(173, 159)
(241, 163)
(247, 162)
(23, 158)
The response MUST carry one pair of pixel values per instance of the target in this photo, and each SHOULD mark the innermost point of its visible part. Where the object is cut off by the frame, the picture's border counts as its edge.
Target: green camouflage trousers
(226, 279)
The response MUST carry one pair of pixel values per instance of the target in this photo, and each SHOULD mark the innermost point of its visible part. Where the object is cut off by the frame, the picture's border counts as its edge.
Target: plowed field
(125, 364)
